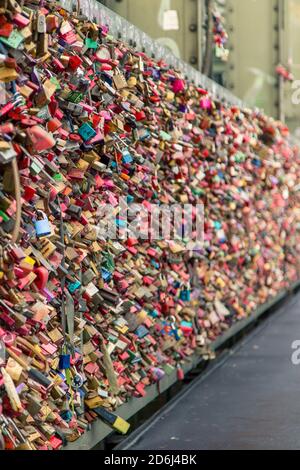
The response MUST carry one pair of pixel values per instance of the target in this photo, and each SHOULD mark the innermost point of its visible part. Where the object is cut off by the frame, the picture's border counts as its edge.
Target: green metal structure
(262, 34)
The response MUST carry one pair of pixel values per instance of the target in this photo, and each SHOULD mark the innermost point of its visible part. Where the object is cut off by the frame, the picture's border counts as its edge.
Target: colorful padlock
(185, 295)
(42, 225)
(64, 361)
(87, 132)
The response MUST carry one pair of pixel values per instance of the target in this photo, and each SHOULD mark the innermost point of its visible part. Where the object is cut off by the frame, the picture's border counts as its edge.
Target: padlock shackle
(39, 211)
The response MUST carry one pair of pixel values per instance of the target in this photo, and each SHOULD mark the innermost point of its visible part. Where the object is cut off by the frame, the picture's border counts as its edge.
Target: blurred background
(251, 47)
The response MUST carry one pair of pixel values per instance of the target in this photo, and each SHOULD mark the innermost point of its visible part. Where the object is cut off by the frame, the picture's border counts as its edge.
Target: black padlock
(86, 186)
(86, 147)
(54, 209)
(84, 85)
(74, 211)
(8, 226)
(105, 159)
(76, 189)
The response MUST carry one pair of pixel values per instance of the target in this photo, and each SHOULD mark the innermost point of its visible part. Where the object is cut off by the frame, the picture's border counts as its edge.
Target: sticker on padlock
(41, 24)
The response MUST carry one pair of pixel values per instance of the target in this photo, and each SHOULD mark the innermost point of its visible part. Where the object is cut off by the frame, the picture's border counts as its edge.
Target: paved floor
(250, 401)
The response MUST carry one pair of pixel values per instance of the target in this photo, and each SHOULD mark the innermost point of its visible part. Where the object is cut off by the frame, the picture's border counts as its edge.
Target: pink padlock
(40, 139)
(205, 103)
(42, 277)
(180, 373)
(178, 85)
(9, 339)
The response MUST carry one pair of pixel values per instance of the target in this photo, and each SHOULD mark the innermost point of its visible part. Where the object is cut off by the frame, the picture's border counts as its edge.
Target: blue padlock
(87, 132)
(106, 275)
(126, 157)
(66, 415)
(141, 331)
(73, 286)
(185, 295)
(42, 226)
(64, 361)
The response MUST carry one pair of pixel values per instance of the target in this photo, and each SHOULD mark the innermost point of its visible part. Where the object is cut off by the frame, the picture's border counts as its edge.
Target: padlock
(40, 139)
(158, 374)
(118, 423)
(144, 132)
(77, 381)
(180, 373)
(87, 132)
(74, 211)
(42, 226)
(64, 361)
(185, 293)
(42, 277)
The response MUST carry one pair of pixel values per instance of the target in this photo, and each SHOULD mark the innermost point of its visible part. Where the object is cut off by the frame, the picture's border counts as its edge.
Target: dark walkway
(250, 401)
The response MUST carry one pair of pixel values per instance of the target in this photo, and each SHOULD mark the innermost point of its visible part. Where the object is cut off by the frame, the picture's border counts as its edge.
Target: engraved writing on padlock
(42, 226)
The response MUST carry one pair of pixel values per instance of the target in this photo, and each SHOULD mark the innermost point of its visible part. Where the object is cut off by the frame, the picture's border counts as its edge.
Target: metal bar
(200, 16)
(207, 62)
(281, 27)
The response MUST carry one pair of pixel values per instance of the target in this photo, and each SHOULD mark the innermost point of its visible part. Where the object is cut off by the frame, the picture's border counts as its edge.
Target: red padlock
(42, 277)
(180, 373)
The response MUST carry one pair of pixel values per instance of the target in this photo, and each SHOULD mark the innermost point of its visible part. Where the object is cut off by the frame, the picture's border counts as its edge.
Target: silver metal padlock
(7, 155)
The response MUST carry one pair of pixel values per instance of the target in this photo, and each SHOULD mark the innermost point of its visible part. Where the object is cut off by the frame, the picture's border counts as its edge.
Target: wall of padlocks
(88, 321)
(249, 72)
(132, 35)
